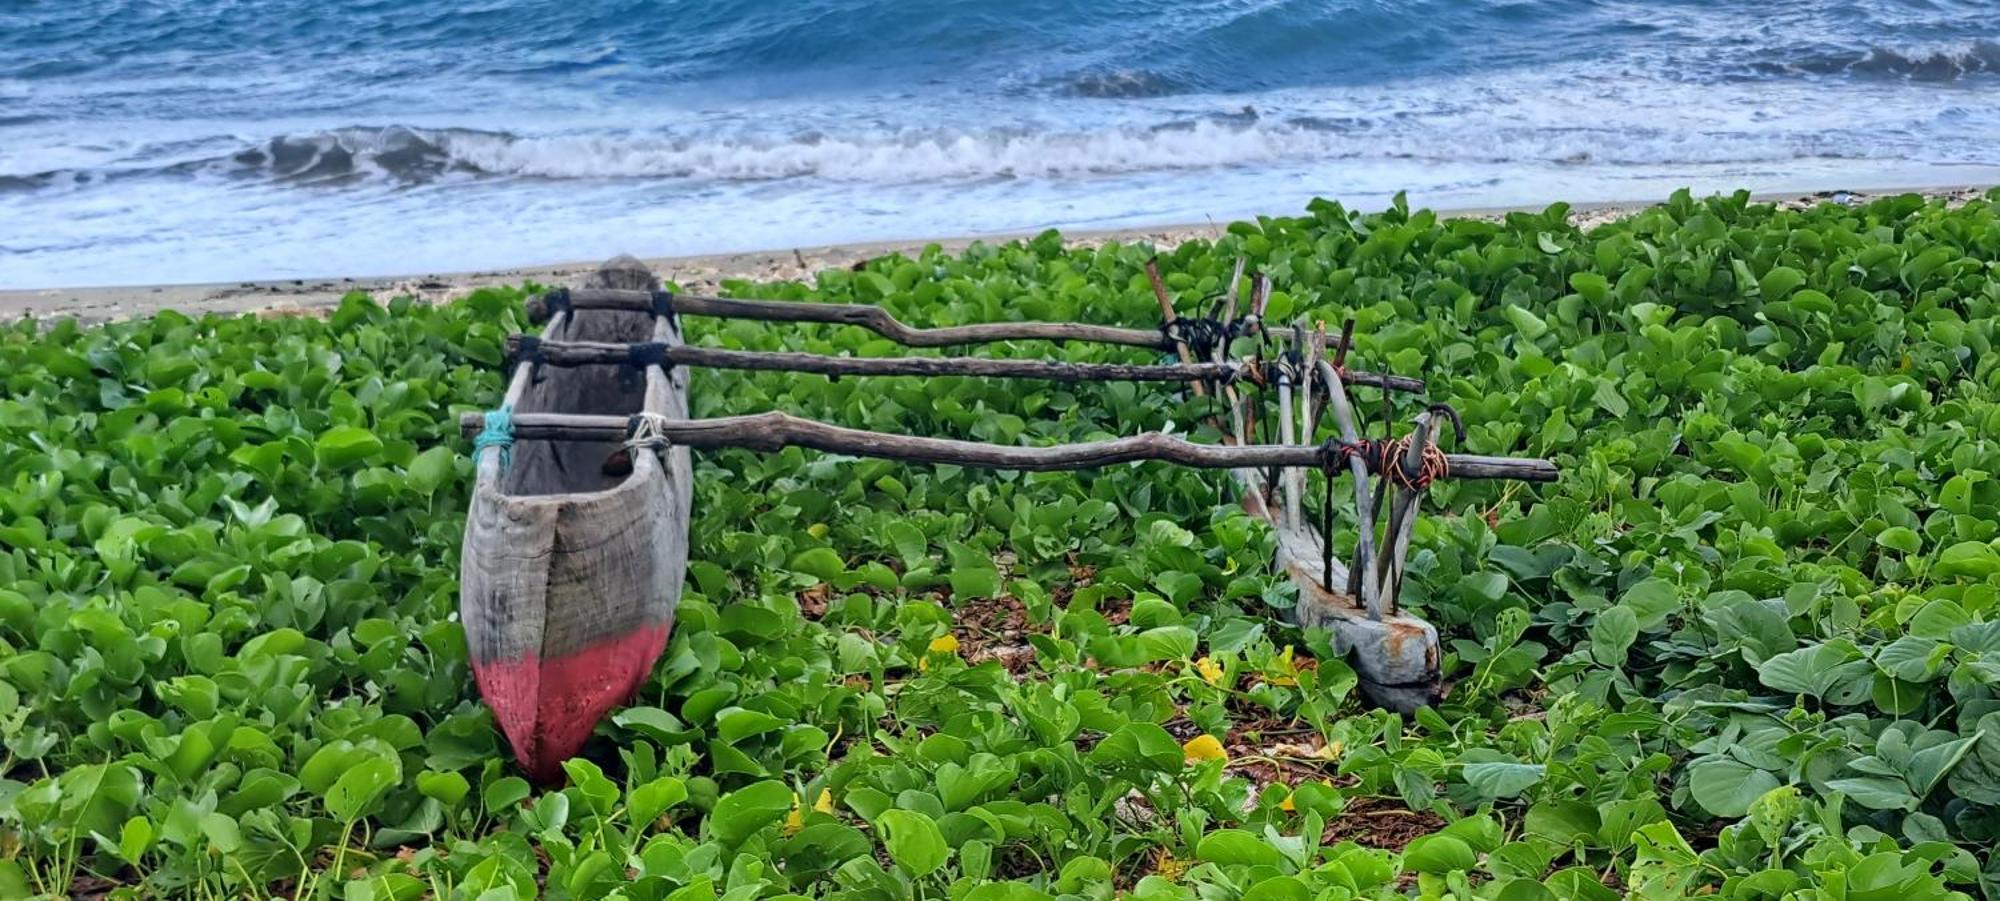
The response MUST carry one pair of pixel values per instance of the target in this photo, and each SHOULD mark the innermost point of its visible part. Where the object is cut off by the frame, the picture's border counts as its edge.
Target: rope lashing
(1288, 367)
(1204, 334)
(1201, 335)
(1385, 455)
(648, 431)
(499, 432)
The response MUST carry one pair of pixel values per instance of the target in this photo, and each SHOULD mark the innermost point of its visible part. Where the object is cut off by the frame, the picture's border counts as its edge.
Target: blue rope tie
(499, 432)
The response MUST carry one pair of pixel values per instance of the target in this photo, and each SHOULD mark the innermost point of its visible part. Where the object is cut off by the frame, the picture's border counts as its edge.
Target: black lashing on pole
(647, 353)
(527, 349)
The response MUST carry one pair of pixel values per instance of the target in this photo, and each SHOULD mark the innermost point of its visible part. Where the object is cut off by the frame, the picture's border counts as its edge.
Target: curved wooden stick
(775, 431)
(595, 353)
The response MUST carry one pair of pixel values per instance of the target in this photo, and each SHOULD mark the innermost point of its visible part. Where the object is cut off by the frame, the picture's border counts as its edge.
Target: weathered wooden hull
(572, 566)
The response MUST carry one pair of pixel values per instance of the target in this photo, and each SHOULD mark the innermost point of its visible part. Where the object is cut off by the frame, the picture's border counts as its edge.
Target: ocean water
(213, 140)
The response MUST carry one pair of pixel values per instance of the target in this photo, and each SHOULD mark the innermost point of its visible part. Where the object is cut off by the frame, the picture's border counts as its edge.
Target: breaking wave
(406, 155)
(1934, 65)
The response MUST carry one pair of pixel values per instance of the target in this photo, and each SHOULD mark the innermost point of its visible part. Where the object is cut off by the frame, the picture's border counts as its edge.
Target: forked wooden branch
(1364, 550)
(594, 353)
(1403, 513)
(775, 431)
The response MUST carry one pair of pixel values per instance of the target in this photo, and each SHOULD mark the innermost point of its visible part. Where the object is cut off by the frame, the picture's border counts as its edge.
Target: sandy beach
(695, 274)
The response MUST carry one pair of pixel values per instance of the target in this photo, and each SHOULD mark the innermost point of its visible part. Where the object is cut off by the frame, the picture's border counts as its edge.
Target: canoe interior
(571, 467)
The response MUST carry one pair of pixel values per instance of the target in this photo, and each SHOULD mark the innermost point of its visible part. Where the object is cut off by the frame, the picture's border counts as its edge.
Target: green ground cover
(1748, 646)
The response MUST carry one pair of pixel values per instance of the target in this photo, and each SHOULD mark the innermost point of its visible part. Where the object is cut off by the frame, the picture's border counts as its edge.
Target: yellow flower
(1167, 867)
(1211, 671)
(945, 644)
(796, 820)
(825, 802)
(1202, 748)
(923, 664)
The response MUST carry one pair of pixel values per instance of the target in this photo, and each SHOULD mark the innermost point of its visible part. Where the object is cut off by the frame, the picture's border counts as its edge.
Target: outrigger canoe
(577, 540)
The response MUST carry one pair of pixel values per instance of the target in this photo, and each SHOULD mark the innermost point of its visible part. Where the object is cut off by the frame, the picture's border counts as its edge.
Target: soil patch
(1380, 823)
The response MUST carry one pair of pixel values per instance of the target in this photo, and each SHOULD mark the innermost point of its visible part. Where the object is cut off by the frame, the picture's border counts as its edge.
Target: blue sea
(220, 140)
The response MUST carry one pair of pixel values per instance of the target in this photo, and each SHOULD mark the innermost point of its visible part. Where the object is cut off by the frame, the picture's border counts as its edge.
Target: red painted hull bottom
(547, 708)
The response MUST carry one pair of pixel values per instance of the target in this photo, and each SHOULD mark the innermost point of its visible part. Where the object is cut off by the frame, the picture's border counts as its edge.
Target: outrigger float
(577, 539)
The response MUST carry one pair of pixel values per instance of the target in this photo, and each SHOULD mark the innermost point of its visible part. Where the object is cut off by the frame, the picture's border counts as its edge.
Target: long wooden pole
(776, 430)
(878, 320)
(593, 353)
(866, 316)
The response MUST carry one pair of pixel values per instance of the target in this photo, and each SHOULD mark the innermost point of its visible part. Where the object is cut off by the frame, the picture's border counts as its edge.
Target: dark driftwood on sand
(587, 353)
(878, 320)
(775, 431)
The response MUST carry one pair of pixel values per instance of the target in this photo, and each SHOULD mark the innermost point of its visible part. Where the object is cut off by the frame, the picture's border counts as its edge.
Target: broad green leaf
(1235, 846)
(913, 841)
(361, 785)
(1501, 779)
(1612, 634)
(1899, 538)
(1439, 854)
(743, 812)
(1140, 746)
(346, 445)
(1726, 787)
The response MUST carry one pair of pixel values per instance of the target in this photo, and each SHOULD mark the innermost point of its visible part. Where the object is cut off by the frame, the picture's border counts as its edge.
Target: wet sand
(695, 274)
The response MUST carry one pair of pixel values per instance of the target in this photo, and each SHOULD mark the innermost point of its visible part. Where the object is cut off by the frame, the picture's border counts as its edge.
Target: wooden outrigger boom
(776, 430)
(1396, 655)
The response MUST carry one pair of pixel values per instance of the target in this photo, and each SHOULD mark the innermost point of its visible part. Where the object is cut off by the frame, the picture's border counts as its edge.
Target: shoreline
(703, 273)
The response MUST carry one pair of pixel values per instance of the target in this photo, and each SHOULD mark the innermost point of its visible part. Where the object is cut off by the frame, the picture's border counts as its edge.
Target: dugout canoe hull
(572, 566)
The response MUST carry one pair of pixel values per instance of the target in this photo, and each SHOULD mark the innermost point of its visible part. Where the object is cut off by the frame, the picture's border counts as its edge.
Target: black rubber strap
(663, 304)
(528, 350)
(647, 353)
(556, 301)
